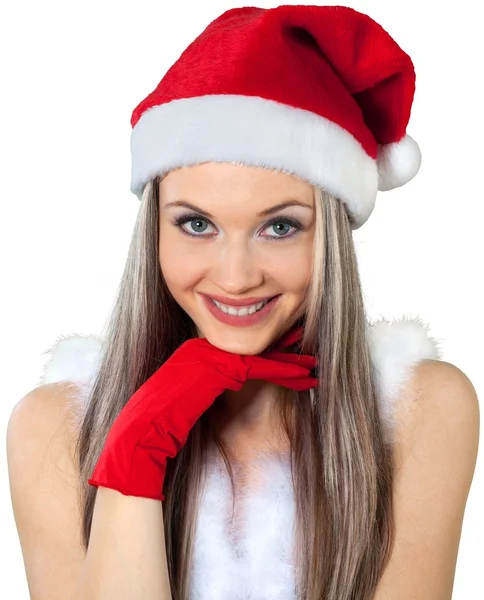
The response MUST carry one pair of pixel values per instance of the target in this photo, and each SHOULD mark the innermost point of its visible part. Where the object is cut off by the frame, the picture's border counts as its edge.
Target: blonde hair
(341, 466)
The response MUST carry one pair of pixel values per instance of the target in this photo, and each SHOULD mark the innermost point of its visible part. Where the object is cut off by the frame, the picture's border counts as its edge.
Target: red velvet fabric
(332, 60)
(156, 421)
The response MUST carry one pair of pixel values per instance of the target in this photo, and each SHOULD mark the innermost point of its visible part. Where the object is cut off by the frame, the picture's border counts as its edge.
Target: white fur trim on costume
(258, 132)
(398, 163)
(396, 347)
(73, 358)
(253, 547)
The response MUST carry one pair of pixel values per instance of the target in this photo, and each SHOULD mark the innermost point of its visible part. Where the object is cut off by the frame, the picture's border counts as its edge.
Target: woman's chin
(239, 344)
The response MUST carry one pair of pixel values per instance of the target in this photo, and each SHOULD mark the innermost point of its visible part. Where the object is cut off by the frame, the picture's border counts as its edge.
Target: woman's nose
(236, 269)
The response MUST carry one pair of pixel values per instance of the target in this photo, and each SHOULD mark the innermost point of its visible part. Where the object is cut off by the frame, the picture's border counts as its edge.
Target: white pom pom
(398, 163)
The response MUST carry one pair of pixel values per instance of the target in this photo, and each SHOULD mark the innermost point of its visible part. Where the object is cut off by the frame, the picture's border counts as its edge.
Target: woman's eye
(282, 227)
(192, 225)
(197, 225)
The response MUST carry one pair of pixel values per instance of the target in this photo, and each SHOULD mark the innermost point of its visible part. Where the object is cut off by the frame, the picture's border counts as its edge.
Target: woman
(290, 423)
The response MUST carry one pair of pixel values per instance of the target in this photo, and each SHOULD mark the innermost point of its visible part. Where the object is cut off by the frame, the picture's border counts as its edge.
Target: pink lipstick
(243, 320)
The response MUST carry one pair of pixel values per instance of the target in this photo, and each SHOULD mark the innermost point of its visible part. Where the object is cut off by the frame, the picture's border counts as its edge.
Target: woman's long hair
(341, 466)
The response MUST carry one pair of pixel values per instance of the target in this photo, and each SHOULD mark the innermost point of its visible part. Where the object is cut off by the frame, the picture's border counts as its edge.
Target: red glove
(156, 421)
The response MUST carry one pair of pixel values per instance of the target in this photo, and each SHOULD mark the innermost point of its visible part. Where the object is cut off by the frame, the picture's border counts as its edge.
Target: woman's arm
(126, 557)
(44, 487)
(436, 443)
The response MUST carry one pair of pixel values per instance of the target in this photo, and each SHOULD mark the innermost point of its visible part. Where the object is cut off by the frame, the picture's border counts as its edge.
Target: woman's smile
(240, 315)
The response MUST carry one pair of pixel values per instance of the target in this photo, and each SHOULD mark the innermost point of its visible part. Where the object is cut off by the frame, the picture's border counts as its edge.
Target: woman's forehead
(212, 179)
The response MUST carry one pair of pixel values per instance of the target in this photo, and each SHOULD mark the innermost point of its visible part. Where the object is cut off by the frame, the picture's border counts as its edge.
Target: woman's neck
(247, 421)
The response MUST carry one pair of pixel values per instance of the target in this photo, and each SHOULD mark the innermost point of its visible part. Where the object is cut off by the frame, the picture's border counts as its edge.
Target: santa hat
(320, 92)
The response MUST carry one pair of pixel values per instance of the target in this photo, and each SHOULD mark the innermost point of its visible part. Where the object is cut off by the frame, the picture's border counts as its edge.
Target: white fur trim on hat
(258, 132)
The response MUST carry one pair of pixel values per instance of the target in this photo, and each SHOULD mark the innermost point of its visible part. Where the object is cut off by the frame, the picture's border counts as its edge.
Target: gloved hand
(156, 421)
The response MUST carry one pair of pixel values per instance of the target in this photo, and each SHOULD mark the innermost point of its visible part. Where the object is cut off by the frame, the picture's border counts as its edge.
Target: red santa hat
(320, 92)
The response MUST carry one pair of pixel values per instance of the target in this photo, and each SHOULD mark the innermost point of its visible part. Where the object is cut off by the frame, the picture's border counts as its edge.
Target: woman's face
(223, 236)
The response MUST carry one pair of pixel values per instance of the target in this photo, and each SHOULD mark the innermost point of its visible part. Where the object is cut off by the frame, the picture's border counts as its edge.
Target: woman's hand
(156, 421)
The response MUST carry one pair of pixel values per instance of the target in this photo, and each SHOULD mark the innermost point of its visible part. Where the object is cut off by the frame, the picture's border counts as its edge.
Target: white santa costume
(320, 92)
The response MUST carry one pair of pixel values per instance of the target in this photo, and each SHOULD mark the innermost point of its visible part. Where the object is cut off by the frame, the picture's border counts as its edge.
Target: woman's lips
(240, 302)
(244, 321)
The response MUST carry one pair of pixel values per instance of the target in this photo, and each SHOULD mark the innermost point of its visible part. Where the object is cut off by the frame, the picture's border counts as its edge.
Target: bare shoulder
(439, 402)
(44, 485)
(435, 450)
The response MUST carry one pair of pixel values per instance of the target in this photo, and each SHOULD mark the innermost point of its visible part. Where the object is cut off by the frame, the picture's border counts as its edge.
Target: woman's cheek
(289, 265)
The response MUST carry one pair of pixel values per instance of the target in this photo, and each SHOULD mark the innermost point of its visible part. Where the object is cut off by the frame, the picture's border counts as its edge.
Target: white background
(71, 74)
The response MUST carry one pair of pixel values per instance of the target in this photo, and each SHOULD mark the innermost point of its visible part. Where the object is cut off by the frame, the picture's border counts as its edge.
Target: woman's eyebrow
(264, 213)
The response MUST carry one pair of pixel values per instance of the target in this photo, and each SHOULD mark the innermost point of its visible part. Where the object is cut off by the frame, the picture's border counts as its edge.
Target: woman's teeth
(241, 312)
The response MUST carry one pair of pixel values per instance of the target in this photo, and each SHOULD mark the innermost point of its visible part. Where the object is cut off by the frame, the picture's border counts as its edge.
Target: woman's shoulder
(45, 417)
(47, 401)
